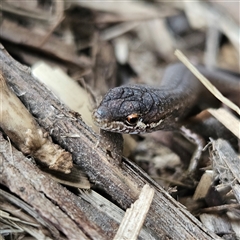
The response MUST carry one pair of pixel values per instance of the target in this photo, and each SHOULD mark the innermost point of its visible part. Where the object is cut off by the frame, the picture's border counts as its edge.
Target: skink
(138, 109)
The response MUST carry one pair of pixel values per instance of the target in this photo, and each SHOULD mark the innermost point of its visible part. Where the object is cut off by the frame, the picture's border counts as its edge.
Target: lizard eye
(132, 119)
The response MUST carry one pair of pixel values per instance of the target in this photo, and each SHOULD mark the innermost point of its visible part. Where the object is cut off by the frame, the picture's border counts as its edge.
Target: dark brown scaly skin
(179, 96)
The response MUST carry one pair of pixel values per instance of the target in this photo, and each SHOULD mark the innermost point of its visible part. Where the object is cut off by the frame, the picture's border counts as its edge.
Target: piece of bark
(23, 130)
(167, 219)
(236, 191)
(63, 211)
(112, 211)
(47, 210)
(203, 185)
(218, 224)
(17, 34)
(135, 216)
(225, 162)
(223, 218)
(226, 165)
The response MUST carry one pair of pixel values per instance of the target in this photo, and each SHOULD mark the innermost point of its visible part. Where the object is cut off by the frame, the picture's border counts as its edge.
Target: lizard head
(129, 109)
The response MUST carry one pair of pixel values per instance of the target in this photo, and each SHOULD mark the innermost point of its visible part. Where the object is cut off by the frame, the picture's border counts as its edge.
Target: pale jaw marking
(154, 125)
(120, 127)
(143, 126)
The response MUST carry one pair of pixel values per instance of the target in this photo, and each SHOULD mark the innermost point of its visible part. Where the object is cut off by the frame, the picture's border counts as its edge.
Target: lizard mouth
(114, 126)
(122, 127)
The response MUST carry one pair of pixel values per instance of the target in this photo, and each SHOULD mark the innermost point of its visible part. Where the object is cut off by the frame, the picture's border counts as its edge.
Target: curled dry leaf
(23, 130)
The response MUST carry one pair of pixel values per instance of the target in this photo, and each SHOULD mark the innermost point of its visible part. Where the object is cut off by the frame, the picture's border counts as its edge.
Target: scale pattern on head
(128, 109)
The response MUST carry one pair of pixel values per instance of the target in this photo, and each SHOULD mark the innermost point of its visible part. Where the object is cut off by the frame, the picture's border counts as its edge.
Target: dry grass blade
(17, 225)
(23, 10)
(17, 216)
(227, 119)
(206, 83)
(129, 9)
(6, 215)
(115, 31)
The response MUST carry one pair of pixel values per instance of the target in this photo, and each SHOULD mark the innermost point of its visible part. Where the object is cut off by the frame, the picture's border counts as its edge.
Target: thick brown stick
(37, 189)
(167, 219)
